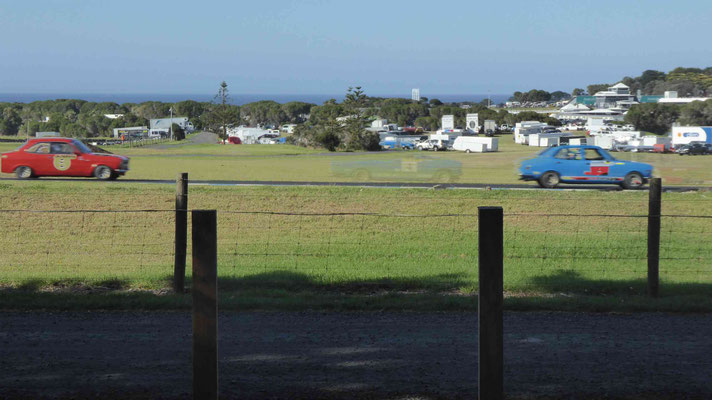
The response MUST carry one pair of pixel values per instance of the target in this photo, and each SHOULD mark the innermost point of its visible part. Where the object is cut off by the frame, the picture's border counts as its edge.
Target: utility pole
(171, 123)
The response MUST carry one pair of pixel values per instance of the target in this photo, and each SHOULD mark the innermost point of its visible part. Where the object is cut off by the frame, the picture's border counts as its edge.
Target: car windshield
(81, 146)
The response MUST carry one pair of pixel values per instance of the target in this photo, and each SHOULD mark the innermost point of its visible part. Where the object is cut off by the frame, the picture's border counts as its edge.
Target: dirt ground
(355, 355)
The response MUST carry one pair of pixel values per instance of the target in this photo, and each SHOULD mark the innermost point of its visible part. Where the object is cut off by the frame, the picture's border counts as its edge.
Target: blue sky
(318, 46)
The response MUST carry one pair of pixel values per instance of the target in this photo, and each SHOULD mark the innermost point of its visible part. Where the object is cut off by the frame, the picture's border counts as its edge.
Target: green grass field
(349, 248)
(293, 163)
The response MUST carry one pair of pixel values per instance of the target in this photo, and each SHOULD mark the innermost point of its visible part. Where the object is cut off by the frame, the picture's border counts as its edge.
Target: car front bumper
(526, 177)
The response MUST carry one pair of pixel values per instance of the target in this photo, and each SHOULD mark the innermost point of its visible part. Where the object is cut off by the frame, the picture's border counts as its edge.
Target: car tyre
(24, 172)
(633, 180)
(549, 180)
(103, 173)
(467, 151)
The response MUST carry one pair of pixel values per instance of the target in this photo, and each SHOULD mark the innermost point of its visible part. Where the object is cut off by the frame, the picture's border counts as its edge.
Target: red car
(54, 156)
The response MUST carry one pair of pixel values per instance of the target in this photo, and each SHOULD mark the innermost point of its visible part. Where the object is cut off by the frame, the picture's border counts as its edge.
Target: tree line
(659, 117)
(80, 118)
(688, 82)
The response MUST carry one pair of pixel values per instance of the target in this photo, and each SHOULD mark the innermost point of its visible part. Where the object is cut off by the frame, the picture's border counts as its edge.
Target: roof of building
(682, 99)
(620, 85)
(611, 94)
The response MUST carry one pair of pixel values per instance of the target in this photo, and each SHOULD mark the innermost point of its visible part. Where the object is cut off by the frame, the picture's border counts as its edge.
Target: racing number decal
(598, 169)
(62, 162)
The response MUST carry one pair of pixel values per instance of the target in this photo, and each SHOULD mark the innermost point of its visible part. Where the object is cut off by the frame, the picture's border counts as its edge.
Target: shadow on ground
(289, 290)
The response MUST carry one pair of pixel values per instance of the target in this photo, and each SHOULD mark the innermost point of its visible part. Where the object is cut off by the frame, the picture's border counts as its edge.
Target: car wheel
(467, 151)
(362, 175)
(632, 181)
(23, 172)
(549, 180)
(103, 173)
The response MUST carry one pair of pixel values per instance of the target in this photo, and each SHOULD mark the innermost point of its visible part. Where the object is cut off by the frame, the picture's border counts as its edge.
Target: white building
(165, 123)
(131, 132)
(379, 123)
(113, 116)
(610, 98)
(415, 94)
(288, 128)
(251, 135)
(671, 98)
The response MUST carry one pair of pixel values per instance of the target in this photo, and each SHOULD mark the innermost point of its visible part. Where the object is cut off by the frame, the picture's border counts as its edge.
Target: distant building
(251, 135)
(113, 116)
(671, 98)
(288, 128)
(131, 132)
(165, 123)
(610, 98)
(415, 94)
(379, 123)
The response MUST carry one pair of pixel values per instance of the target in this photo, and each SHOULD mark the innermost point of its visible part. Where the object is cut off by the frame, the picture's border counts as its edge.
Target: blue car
(583, 164)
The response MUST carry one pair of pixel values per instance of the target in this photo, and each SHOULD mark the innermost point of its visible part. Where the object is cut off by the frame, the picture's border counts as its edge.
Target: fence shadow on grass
(568, 281)
(291, 290)
(274, 290)
(296, 281)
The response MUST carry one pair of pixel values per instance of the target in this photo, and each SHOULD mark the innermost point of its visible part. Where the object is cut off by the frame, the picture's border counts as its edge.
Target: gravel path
(355, 355)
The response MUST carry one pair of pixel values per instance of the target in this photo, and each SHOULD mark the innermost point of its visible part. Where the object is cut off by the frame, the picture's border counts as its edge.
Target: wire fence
(317, 241)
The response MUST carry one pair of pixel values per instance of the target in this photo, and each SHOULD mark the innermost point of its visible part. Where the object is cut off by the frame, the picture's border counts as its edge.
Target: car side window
(593, 155)
(61, 148)
(568, 154)
(41, 148)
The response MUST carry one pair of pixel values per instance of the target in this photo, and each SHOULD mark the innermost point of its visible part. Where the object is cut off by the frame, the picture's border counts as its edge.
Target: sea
(238, 99)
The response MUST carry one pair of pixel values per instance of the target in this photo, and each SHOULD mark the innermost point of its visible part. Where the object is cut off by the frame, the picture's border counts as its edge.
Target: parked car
(583, 164)
(394, 142)
(55, 156)
(694, 148)
(433, 144)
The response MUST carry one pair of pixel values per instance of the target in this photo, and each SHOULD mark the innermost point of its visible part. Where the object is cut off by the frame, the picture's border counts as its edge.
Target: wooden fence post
(654, 206)
(205, 308)
(181, 235)
(490, 304)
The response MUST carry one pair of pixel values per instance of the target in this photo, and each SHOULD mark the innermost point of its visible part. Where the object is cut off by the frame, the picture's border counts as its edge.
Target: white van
(474, 144)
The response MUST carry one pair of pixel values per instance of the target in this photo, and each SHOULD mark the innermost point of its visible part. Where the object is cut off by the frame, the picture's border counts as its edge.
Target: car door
(63, 159)
(597, 166)
(568, 163)
(82, 163)
(38, 158)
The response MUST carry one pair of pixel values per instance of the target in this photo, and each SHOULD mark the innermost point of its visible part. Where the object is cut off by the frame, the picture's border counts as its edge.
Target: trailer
(490, 127)
(522, 130)
(682, 135)
(473, 144)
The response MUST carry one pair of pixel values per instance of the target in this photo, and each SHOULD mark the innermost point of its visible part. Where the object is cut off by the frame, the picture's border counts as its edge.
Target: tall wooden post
(490, 304)
(205, 308)
(654, 206)
(181, 235)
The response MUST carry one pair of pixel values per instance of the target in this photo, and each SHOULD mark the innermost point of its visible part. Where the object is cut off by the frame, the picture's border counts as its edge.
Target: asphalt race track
(322, 355)
(402, 185)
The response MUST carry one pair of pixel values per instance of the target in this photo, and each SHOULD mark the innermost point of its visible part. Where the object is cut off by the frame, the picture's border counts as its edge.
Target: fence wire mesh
(347, 242)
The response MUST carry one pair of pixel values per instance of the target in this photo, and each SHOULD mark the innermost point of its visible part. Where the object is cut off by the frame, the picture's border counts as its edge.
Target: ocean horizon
(237, 99)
